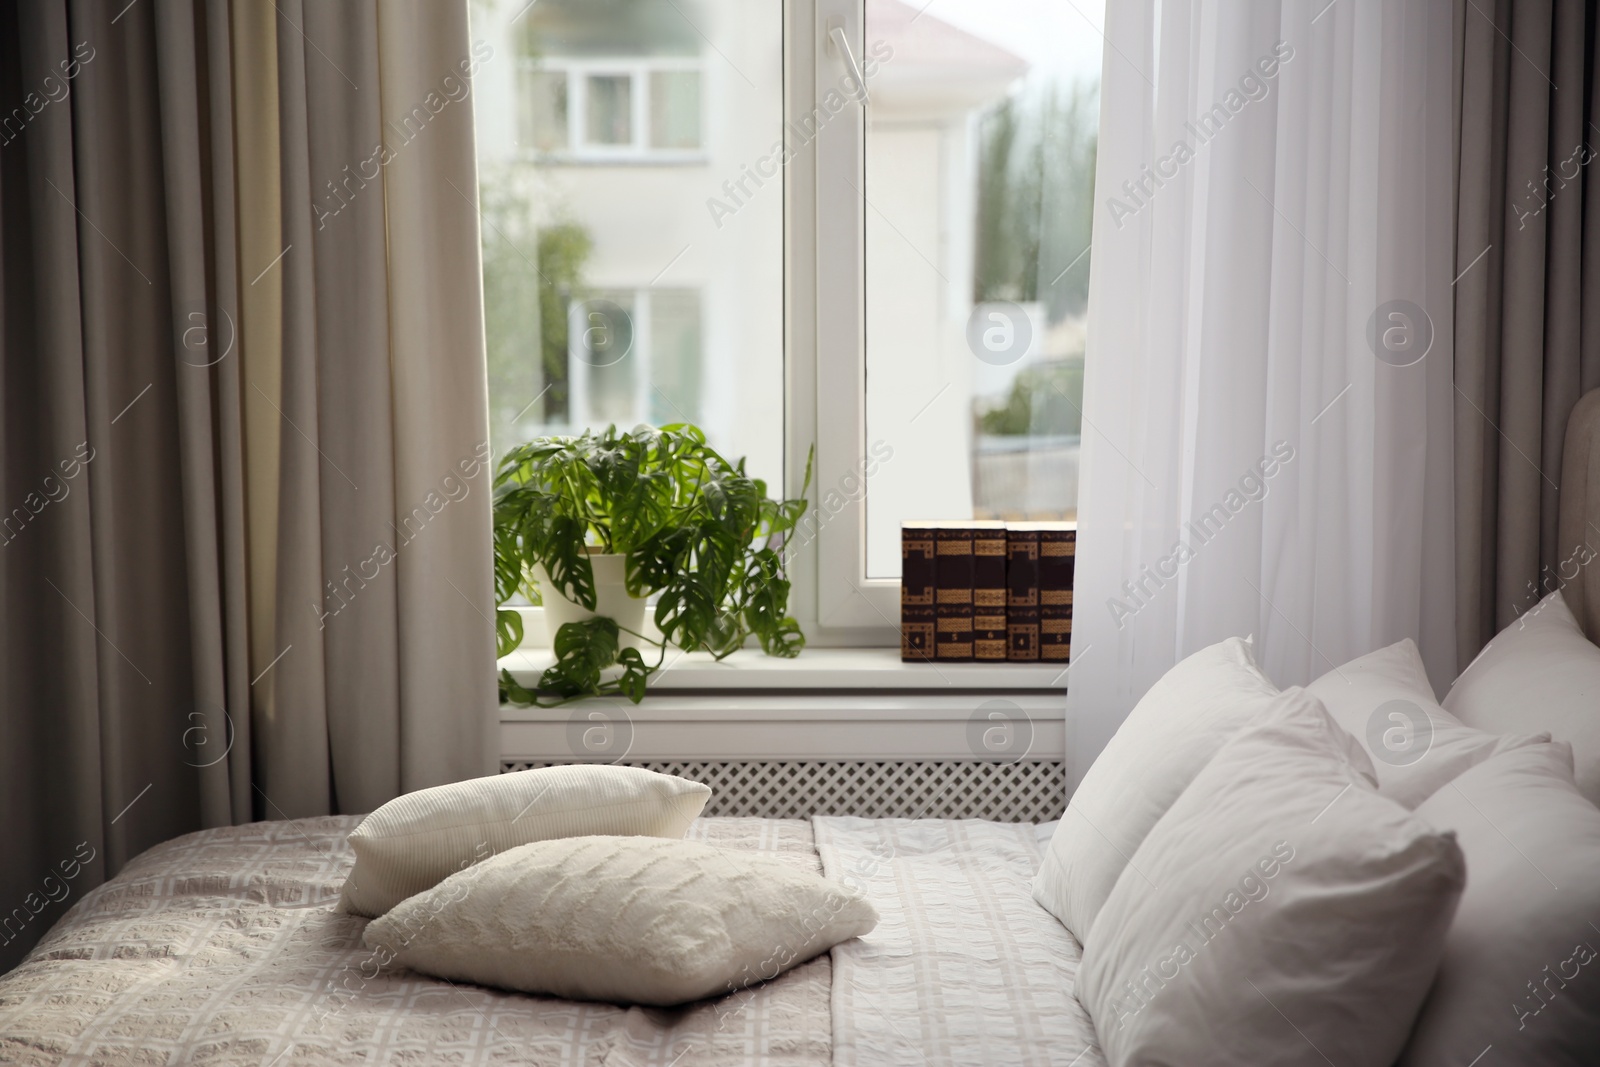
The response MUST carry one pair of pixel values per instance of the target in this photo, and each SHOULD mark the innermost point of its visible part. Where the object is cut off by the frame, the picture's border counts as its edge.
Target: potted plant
(592, 525)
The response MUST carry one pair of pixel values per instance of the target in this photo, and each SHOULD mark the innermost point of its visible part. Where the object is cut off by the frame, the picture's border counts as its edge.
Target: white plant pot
(611, 599)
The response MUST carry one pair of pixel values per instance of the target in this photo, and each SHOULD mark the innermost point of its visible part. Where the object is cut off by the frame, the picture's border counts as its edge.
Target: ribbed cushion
(416, 841)
(629, 920)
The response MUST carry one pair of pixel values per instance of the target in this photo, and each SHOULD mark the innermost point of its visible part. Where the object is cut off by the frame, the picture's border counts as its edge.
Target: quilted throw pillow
(416, 841)
(627, 920)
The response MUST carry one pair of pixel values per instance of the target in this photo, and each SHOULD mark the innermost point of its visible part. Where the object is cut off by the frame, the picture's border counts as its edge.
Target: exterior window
(612, 294)
(675, 109)
(635, 356)
(609, 105)
(694, 212)
(542, 110)
(629, 110)
(976, 246)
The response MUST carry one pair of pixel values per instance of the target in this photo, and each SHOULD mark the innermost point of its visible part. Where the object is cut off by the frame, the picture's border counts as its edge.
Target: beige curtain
(245, 561)
(1527, 298)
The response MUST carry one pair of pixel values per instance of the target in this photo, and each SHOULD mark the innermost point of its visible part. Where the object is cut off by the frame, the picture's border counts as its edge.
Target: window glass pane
(675, 355)
(542, 110)
(601, 340)
(616, 293)
(610, 109)
(675, 109)
(979, 184)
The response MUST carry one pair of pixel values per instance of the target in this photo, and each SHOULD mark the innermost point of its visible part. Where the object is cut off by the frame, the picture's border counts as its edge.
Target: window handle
(843, 44)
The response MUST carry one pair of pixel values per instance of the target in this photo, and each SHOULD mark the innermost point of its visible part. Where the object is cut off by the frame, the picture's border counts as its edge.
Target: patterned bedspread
(222, 947)
(964, 966)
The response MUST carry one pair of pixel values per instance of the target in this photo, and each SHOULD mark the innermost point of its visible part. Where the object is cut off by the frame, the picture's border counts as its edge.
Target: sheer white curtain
(1267, 431)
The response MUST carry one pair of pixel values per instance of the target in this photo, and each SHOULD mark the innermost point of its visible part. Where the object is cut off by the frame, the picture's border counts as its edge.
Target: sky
(1060, 38)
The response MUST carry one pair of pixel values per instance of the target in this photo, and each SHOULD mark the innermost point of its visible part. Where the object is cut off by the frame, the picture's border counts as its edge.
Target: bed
(224, 947)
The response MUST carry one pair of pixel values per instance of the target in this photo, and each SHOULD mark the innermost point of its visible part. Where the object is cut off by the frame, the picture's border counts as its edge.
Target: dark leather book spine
(989, 592)
(953, 579)
(917, 611)
(1022, 596)
(1058, 549)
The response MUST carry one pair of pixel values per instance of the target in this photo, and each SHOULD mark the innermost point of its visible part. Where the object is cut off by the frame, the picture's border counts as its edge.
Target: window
(634, 356)
(955, 317)
(976, 241)
(693, 211)
(542, 110)
(607, 109)
(612, 293)
(675, 109)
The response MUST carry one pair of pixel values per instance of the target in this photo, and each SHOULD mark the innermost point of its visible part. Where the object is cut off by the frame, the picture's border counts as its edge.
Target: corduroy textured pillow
(627, 920)
(416, 841)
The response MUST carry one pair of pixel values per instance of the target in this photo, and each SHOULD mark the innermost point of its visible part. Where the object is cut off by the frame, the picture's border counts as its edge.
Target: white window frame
(638, 150)
(839, 609)
(835, 602)
(831, 597)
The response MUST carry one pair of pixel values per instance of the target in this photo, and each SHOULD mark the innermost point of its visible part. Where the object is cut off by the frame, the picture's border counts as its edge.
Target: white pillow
(416, 841)
(1539, 673)
(1291, 914)
(629, 920)
(1384, 700)
(1520, 969)
(1170, 734)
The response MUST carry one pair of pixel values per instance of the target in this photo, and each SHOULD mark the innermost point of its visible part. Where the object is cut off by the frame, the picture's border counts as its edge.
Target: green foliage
(511, 302)
(1036, 199)
(694, 527)
(531, 274)
(563, 251)
(1045, 400)
(583, 652)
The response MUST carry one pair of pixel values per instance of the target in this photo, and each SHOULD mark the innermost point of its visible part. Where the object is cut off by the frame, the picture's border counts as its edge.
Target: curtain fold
(1527, 325)
(245, 558)
(1267, 442)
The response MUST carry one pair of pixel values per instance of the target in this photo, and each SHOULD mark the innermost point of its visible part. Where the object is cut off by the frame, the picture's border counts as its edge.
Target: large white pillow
(629, 920)
(1384, 700)
(1539, 673)
(1520, 968)
(1170, 734)
(416, 841)
(1286, 914)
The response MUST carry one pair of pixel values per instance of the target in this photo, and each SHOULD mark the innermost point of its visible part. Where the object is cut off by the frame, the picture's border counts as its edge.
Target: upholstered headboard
(1579, 524)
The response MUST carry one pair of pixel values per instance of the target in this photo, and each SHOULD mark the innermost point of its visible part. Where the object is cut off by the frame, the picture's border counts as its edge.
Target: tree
(1036, 198)
(530, 276)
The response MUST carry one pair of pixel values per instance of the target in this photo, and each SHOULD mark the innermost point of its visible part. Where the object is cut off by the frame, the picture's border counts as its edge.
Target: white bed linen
(964, 967)
(224, 947)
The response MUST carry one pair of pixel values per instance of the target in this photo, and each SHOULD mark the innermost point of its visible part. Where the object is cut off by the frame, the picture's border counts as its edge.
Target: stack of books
(987, 591)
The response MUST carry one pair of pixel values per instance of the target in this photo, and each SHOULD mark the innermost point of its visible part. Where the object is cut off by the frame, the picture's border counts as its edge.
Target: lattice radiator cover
(1022, 791)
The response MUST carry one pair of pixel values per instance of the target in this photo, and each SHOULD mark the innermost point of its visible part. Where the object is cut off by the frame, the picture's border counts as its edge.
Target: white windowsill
(846, 669)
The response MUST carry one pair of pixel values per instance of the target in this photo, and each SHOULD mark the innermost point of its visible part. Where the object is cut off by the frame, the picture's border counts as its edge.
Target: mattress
(223, 947)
